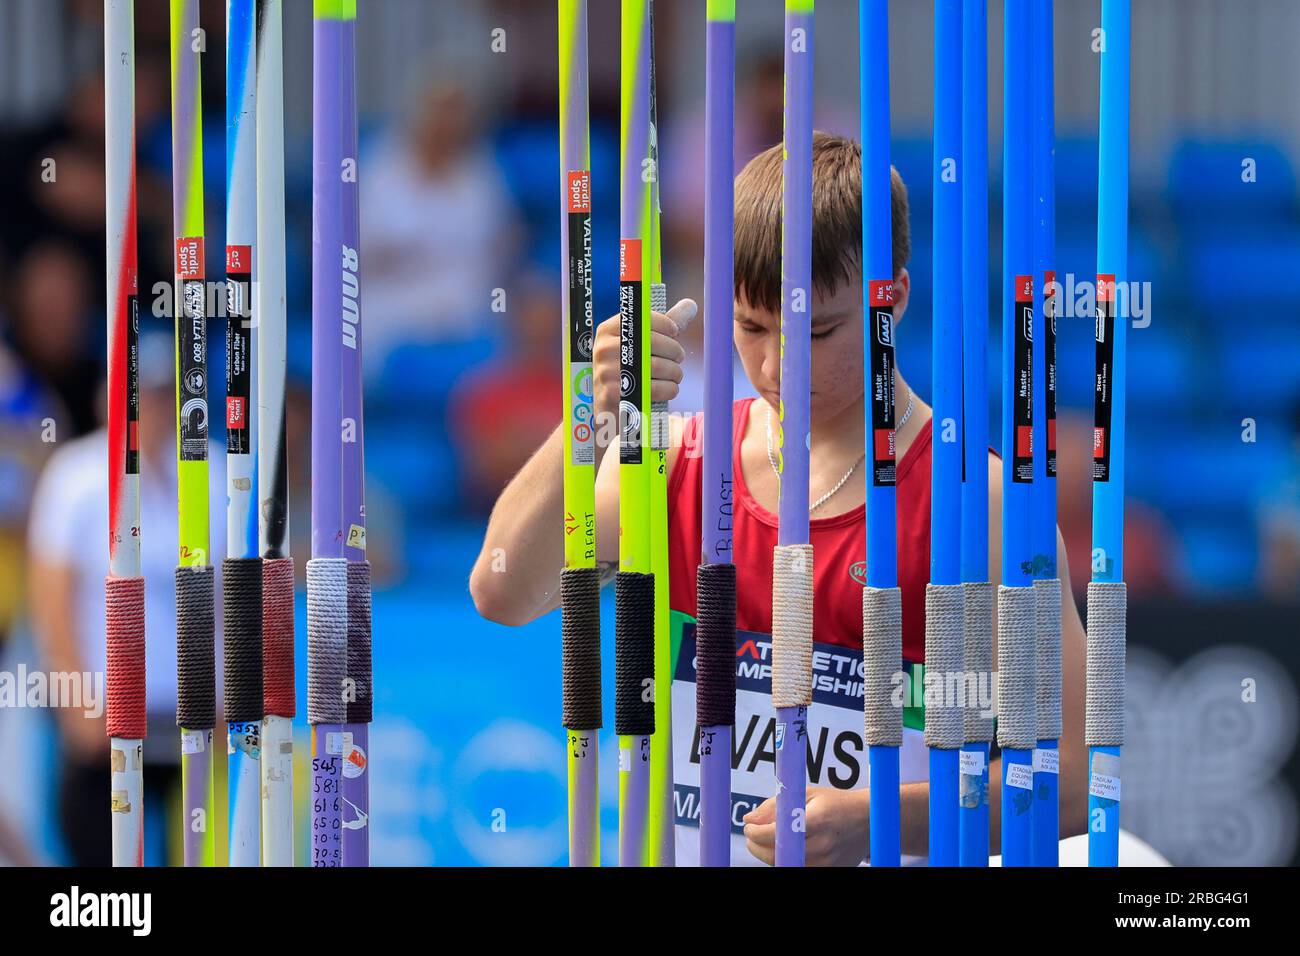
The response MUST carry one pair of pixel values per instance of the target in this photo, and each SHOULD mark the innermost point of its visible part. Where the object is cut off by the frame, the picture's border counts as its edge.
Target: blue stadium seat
(1205, 181)
(1220, 555)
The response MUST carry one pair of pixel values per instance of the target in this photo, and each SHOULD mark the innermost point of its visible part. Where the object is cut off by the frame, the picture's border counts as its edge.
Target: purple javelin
(796, 361)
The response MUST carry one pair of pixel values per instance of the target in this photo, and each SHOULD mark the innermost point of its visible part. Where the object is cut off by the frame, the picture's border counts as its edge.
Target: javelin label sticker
(1103, 387)
(1022, 398)
(191, 356)
(239, 346)
(133, 374)
(1020, 776)
(1050, 308)
(631, 408)
(884, 455)
(581, 325)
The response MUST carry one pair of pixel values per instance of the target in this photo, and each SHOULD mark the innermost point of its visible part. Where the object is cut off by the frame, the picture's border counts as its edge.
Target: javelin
(580, 580)
(1107, 593)
(124, 588)
(327, 572)
(1016, 652)
(196, 666)
(634, 586)
(978, 598)
(882, 628)
(241, 572)
(792, 559)
(1047, 582)
(355, 812)
(715, 579)
(661, 838)
(944, 595)
(272, 465)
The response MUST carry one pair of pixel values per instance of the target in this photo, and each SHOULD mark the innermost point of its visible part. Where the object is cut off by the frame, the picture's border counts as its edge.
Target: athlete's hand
(666, 356)
(836, 828)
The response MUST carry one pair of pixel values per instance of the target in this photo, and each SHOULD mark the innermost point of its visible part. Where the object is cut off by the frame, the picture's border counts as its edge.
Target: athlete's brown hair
(836, 227)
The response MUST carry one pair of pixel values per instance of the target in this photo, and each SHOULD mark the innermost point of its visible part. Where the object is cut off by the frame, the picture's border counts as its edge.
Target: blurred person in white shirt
(438, 224)
(68, 556)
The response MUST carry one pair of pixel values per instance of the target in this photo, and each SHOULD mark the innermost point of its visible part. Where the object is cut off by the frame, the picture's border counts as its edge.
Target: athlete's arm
(516, 576)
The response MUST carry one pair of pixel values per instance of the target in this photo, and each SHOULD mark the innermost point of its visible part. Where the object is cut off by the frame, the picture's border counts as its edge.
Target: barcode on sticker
(972, 763)
(192, 742)
(1104, 786)
(339, 742)
(1020, 776)
(1047, 761)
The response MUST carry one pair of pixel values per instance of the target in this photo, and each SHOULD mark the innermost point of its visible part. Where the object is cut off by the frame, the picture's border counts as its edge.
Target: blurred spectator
(49, 325)
(27, 412)
(438, 225)
(1151, 553)
(1279, 530)
(503, 411)
(68, 556)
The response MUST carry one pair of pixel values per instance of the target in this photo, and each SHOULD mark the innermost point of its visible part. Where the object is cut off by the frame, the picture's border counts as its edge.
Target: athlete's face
(837, 347)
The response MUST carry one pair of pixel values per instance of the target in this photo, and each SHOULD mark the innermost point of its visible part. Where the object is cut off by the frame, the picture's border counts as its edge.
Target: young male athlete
(526, 521)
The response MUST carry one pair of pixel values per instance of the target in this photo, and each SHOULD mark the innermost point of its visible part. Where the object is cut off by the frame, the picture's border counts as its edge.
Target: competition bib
(837, 755)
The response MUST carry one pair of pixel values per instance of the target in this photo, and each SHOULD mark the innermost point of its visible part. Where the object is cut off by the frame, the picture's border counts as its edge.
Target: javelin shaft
(242, 570)
(272, 464)
(634, 586)
(792, 702)
(580, 585)
(716, 638)
(356, 774)
(882, 636)
(1016, 650)
(196, 704)
(327, 571)
(1047, 585)
(124, 645)
(271, 302)
(187, 223)
(241, 235)
(1107, 595)
(661, 836)
(944, 595)
(978, 647)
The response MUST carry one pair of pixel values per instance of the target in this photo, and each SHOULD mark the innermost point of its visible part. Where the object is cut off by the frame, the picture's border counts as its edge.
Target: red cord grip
(277, 637)
(124, 603)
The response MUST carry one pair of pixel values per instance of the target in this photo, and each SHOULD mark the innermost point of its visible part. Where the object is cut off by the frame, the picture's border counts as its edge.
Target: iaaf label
(837, 755)
(1103, 397)
(239, 346)
(1022, 399)
(191, 352)
(881, 382)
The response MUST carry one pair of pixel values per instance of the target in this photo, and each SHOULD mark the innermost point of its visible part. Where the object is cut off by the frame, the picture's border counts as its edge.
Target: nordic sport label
(191, 352)
(1103, 396)
(1022, 396)
(631, 409)
(239, 344)
(884, 456)
(1050, 304)
(581, 325)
